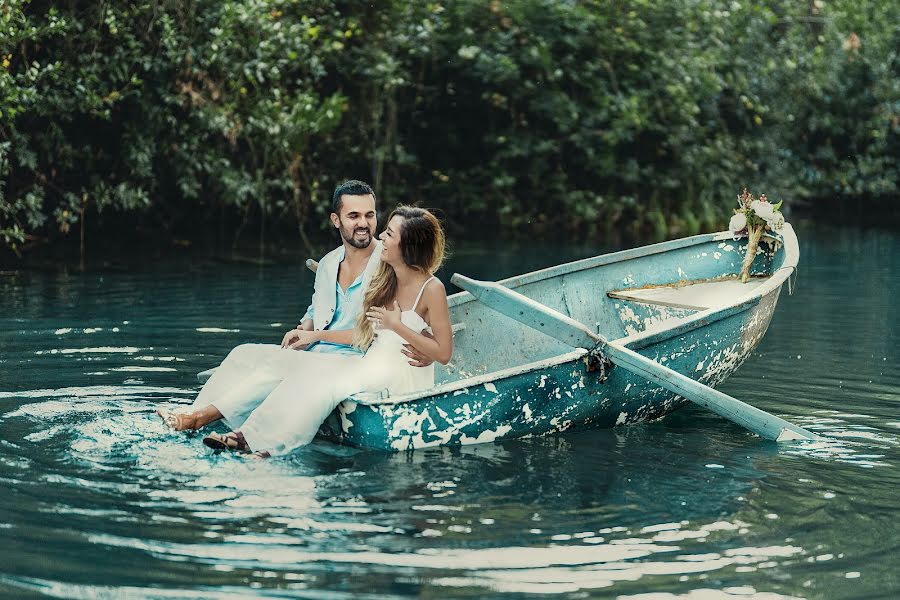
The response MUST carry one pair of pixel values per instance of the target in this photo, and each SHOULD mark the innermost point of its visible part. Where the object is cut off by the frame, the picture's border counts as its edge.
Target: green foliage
(642, 113)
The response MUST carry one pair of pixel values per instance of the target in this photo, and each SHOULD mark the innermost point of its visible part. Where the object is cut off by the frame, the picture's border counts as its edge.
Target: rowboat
(677, 303)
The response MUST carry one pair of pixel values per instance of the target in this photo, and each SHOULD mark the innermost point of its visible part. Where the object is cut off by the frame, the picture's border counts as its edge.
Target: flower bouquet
(753, 217)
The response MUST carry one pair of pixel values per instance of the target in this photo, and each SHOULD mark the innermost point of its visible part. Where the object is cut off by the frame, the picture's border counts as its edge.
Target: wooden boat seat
(691, 295)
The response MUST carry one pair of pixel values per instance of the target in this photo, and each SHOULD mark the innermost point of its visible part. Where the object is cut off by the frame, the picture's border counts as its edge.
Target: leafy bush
(648, 114)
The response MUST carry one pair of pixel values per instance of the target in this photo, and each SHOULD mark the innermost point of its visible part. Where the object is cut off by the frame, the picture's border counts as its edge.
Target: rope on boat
(792, 278)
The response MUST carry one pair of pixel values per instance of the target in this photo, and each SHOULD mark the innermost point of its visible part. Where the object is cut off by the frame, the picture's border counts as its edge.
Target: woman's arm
(434, 299)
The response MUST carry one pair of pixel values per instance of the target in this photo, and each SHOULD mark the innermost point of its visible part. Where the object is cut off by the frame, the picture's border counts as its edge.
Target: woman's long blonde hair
(422, 248)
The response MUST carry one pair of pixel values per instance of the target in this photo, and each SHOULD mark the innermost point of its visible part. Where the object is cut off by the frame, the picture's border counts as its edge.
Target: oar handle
(529, 312)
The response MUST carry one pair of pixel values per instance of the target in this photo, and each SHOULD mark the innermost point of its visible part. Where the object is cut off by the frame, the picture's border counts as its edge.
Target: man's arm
(292, 337)
(302, 338)
(307, 323)
(309, 315)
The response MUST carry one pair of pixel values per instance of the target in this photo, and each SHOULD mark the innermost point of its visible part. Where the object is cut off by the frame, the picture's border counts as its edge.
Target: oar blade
(763, 424)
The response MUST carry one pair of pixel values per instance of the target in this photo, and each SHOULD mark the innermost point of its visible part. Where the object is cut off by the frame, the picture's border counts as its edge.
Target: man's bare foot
(192, 420)
(176, 421)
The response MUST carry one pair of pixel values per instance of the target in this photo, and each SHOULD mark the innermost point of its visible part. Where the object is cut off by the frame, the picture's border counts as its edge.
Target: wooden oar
(568, 330)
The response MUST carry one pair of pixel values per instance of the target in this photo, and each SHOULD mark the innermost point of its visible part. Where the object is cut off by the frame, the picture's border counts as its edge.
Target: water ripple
(102, 500)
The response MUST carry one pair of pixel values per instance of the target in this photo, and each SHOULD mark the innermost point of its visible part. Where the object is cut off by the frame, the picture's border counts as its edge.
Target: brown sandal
(233, 440)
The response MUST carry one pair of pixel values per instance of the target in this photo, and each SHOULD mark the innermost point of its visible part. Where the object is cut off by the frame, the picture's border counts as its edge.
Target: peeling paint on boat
(488, 436)
(346, 423)
(637, 317)
(526, 410)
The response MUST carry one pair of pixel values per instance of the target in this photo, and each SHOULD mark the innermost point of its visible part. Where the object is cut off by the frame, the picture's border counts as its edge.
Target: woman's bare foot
(192, 420)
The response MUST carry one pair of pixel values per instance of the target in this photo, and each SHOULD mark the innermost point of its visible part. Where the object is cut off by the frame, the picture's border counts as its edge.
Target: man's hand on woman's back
(416, 358)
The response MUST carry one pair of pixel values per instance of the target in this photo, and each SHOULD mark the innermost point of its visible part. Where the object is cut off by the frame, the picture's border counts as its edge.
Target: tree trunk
(81, 240)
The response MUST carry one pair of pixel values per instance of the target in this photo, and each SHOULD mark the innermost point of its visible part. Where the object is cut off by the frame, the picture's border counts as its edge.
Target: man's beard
(350, 237)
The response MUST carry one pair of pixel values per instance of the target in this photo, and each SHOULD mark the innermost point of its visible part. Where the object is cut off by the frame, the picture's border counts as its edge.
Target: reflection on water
(102, 501)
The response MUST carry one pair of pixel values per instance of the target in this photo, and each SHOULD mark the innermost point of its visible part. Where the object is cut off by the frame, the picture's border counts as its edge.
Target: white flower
(763, 210)
(738, 222)
(776, 221)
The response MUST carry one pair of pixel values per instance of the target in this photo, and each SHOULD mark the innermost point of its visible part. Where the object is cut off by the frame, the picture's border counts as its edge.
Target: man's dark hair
(351, 187)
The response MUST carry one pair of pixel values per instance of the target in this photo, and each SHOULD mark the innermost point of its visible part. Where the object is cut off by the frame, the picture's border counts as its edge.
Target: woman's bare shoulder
(435, 289)
(434, 296)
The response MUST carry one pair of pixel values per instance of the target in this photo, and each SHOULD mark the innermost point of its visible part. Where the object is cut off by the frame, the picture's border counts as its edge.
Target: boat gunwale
(788, 239)
(475, 380)
(651, 336)
(592, 262)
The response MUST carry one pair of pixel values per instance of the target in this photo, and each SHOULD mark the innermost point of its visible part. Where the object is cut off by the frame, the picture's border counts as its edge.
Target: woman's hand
(384, 318)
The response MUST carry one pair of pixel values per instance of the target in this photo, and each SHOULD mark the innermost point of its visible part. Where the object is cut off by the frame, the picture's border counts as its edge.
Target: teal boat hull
(507, 381)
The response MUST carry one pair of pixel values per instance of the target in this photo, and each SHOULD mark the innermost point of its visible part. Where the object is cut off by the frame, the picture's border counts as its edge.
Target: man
(341, 280)
(343, 274)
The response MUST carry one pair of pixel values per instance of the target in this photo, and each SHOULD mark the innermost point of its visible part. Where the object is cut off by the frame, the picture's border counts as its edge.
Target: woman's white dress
(279, 397)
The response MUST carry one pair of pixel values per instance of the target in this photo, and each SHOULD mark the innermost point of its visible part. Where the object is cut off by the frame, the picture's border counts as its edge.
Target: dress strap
(419, 297)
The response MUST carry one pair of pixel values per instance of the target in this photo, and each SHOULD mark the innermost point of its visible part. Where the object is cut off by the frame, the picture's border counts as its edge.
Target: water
(99, 500)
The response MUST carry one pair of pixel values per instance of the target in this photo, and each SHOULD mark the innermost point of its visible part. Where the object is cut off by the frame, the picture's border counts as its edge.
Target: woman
(413, 248)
